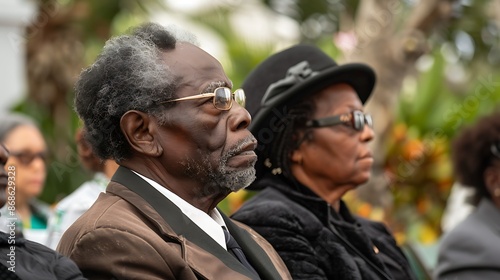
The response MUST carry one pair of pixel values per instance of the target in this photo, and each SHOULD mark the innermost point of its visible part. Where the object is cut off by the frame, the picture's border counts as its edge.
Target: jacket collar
(4, 240)
(489, 213)
(308, 199)
(183, 226)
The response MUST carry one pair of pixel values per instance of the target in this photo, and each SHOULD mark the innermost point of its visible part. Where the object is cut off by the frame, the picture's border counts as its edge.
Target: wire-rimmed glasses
(222, 98)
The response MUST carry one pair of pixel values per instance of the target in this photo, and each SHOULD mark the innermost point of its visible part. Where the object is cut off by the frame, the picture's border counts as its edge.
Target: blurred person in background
(74, 205)
(28, 153)
(313, 135)
(21, 258)
(471, 250)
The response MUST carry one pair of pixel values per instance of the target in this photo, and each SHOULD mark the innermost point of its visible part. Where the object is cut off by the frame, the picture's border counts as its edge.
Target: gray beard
(222, 178)
(232, 180)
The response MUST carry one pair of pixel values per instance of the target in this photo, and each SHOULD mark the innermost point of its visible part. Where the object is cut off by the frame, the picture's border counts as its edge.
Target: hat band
(294, 75)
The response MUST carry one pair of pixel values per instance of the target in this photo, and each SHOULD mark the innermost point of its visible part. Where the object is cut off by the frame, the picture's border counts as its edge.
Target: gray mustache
(238, 147)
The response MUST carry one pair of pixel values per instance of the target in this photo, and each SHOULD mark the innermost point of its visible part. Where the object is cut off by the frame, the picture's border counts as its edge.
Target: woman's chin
(362, 179)
(34, 191)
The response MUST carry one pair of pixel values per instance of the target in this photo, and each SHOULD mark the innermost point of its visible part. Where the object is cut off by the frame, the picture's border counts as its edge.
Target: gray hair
(11, 121)
(129, 74)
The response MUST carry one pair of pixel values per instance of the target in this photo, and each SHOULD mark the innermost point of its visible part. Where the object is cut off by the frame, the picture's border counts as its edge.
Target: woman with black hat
(313, 148)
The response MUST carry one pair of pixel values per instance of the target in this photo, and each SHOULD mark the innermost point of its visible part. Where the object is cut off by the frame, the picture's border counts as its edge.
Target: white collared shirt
(211, 224)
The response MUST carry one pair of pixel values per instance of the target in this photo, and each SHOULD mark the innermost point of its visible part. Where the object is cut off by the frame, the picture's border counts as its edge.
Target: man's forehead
(190, 55)
(195, 66)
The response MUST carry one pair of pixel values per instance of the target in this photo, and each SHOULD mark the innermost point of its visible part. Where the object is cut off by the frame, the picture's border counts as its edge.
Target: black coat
(31, 260)
(298, 224)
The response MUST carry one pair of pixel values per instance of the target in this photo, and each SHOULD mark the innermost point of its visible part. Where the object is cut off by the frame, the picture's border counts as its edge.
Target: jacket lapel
(174, 217)
(254, 253)
(488, 212)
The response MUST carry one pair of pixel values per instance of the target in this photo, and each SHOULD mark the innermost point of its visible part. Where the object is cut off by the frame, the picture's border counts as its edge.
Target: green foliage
(432, 110)
(317, 18)
(243, 56)
(435, 104)
(483, 30)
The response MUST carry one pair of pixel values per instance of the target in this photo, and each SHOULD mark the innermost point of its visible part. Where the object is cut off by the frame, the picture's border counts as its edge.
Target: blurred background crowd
(437, 64)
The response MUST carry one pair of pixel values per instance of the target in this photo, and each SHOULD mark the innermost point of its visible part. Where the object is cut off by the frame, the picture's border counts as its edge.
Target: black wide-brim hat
(287, 77)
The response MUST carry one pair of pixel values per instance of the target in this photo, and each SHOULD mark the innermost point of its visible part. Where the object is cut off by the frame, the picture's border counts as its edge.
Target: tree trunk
(391, 48)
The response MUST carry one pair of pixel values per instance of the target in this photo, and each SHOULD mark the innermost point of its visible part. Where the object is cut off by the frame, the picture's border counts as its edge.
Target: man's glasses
(354, 119)
(222, 98)
(26, 158)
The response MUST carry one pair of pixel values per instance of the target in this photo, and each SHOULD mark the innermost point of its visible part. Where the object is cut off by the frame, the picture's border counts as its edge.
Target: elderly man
(165, 111)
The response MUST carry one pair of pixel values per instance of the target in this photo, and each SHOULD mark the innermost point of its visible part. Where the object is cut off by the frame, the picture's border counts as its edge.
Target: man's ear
(141, 132)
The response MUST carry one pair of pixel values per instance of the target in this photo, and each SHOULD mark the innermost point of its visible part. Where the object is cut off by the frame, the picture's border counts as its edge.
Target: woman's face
(335, 155)
(27, 154)
(491, 178)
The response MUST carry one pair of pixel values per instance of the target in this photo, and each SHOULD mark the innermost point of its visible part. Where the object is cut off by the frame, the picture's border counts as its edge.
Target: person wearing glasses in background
(472, 248)
(313, 148)
(28, 154)
(163, 109)
(21, 258)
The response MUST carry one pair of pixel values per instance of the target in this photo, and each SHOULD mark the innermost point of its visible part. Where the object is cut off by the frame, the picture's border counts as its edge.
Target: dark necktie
(237, 252)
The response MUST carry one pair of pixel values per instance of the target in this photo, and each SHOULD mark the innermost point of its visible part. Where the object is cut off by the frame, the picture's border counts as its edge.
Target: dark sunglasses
(354, 119)
(26, 158)
(222, 98)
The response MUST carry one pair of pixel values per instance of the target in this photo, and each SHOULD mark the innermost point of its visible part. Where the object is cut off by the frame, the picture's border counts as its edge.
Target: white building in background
(14, 16)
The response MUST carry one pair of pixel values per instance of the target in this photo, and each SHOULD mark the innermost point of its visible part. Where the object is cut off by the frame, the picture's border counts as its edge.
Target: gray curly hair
(129, 74)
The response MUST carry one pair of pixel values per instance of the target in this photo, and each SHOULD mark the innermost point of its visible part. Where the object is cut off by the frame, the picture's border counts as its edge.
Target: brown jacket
(134, 232)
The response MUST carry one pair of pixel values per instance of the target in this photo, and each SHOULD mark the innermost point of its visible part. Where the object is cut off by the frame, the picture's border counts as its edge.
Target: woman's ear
(299, 138)
(296, 156)
(141, 132)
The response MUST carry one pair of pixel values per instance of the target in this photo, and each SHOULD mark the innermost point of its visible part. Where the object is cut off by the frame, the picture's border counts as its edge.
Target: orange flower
(365, 210)
(413, 149)
(422, 205)
(399, 132)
